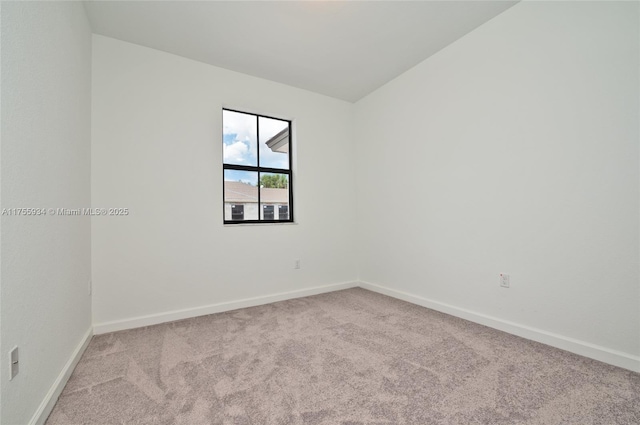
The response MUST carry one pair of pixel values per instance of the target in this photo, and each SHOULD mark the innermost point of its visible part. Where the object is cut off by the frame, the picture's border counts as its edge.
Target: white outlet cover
(15, 365)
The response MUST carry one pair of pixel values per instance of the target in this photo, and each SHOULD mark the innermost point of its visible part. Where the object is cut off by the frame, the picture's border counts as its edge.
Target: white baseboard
(45, 408)
(603, 354)
(154, 319)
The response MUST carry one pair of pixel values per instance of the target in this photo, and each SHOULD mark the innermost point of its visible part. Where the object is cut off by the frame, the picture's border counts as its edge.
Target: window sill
(286, 223)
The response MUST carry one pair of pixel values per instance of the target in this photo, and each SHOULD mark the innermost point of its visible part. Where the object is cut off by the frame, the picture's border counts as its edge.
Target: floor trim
(46, 406)
(154, 319)
(596, 352)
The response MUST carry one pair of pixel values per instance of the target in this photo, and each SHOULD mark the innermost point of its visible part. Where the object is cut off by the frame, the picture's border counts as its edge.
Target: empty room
(320, 212)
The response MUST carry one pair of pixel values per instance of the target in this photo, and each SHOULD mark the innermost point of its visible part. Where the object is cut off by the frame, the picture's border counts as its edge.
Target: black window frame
(260, 170)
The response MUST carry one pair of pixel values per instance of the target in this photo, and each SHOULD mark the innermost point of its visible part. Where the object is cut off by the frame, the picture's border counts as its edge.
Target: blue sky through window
(248, 177)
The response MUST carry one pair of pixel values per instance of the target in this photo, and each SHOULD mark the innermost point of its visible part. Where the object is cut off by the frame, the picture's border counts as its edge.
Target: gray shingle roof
(238, 192)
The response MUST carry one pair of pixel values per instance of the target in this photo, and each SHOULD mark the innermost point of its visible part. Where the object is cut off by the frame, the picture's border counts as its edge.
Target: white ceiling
(341, 49)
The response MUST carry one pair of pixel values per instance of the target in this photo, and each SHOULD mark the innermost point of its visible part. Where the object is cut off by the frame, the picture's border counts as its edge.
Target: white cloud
(270, 127)
(245, 130)
(235, 152)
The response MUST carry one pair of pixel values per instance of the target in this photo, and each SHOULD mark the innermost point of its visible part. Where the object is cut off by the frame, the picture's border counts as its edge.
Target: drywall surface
(157, 150)
(514, 150)
(46, 88)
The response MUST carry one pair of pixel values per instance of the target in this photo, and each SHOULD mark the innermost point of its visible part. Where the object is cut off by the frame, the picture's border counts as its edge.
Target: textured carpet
(347, 357)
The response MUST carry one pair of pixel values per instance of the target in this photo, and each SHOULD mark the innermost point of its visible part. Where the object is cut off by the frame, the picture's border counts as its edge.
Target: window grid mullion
(258, 161)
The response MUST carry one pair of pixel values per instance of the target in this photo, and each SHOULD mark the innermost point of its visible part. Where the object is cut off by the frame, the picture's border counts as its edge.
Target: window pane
(274, 193)
(239, 136)
(240, 195)
(274, 143)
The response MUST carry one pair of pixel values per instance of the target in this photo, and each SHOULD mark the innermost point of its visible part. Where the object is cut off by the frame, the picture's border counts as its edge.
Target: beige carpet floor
(347, 357)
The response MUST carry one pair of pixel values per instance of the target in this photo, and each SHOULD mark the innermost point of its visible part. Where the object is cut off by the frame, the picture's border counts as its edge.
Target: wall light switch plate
(504, 280)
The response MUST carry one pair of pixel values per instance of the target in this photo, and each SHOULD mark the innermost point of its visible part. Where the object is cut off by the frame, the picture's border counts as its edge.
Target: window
(256, 168)
(283, 212)
(237, 212)
(268, 212)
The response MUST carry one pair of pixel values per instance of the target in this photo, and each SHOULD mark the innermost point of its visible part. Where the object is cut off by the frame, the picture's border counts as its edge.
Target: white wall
(156, 149)
(46, 88)
(513, 150)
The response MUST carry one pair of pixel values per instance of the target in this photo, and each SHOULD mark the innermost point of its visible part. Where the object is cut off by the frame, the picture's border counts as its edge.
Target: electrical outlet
(296, 264)
(504, 280)
(15, 363)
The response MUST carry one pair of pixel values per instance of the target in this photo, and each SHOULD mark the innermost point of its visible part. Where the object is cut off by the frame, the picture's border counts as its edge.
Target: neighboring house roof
(280, 142)
(240, 193)
(274, 196)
